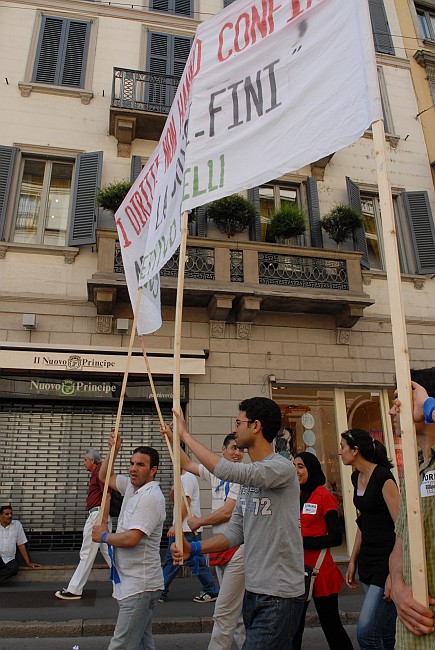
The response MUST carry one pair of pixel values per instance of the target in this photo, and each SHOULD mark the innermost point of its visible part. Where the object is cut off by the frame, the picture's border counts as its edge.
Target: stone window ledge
(389, 137)
(27, 88)
(417, 280)
(69, 253)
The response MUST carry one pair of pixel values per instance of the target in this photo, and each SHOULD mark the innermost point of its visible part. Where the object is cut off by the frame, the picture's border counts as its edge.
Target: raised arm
(105, 464)
(186, 463)
(207, 457)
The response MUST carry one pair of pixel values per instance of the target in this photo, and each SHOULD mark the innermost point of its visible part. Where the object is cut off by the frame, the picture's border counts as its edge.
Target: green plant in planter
(111, 196)
(288, 221)
(231, 214)
(341, 223)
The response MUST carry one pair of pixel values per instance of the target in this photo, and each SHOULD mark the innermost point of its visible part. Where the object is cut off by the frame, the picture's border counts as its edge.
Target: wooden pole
(403, 379)
(120, 405)
(162, 423)
(176, 384)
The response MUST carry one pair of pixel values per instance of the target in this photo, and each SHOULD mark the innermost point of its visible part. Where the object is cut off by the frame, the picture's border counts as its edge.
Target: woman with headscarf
(376, 499)
(320, 529)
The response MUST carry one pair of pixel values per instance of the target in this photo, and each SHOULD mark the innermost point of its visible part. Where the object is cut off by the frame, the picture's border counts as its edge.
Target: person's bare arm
(391, 497)
(24, 555)
(211, 545)
(127, 539)
(171, 531)
(186, 463)
(351, 569)
(205, 456)
(417, 618)
(105, 464)
(106, 509)
(218, 516)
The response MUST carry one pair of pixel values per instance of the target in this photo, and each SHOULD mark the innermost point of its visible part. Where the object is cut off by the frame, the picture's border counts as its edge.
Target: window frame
(277, 186)
(425, 12)
(27, 86)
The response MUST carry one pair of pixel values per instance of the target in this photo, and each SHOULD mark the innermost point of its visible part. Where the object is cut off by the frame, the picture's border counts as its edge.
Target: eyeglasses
(239, 422)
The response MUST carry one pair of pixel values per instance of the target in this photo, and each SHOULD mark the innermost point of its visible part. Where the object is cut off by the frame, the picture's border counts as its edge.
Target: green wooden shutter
(354, 198)
(136, 167)
(422, 229)
(180, 54)
(380, 27)
(314, 213)
(254, 198)
(167, 55)
(7, 161)
(87, 181)
(62, 52)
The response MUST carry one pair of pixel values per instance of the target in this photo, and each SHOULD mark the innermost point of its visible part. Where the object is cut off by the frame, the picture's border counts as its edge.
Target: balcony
(139, 107)
(235, 281)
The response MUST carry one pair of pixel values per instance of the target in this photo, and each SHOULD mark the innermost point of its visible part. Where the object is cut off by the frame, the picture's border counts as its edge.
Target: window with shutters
(272, 197)
(181, 7)
(62, 52)
(166, 58)
(426, 19)
(44, 199)
(381, 29)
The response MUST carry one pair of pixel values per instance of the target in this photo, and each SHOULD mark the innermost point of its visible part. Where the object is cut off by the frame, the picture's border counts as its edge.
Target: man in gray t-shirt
(265, 519)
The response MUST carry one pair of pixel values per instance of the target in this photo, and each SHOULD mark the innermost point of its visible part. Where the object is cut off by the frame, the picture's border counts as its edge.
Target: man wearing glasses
(265, 519)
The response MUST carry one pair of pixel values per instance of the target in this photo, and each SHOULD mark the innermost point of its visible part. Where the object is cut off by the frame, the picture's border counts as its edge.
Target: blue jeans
(133, 629)
(376, 628)
(204, 575)
(271, 622)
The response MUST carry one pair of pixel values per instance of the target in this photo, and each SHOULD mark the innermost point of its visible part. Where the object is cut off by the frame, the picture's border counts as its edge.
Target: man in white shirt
(136, 567)
(11, 536)
(210, 591)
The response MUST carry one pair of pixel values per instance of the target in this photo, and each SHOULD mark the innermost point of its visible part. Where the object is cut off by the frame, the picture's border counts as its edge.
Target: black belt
(93, 510)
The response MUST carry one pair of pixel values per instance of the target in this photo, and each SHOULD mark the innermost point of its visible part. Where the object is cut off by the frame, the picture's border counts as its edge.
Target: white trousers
(228, 619)
(88, 553)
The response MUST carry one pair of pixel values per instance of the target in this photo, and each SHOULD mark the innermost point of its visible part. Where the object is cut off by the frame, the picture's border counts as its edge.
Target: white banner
(268, 88)
(149, 219)
(281, 85)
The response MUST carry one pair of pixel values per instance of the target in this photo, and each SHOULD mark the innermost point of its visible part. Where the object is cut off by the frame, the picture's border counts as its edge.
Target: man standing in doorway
(89, 549)
(266, 519)
(11, 536)
(136, 570)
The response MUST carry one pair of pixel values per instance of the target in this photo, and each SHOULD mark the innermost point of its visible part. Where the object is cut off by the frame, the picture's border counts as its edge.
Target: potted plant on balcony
(231, 214)
(288, 222)
(342, 223)
(111, 196)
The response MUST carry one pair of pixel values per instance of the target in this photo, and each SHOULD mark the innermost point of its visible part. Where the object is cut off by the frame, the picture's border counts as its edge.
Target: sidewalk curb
(104, 627)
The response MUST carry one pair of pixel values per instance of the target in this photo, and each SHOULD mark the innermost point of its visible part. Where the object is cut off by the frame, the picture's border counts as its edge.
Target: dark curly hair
(266, 411)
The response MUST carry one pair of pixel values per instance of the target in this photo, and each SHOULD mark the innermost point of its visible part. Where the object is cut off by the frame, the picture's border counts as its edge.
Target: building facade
(86, 90)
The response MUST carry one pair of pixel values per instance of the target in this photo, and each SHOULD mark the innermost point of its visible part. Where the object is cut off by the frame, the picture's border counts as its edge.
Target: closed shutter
(87, 182)
(183, 7)
(136, 167)
(422, 229)
(201, 221)
(254, 198)
(314, 213)
(228, 2)
(62, 52)
(44, 445)
(380, 27)
(354, 198)
(167, 55)
(7, 160)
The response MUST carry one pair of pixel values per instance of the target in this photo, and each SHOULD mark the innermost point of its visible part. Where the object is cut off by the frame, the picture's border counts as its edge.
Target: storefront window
(308, 424)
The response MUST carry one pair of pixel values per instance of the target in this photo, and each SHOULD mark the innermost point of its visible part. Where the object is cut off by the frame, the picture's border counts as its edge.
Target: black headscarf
(316, 476)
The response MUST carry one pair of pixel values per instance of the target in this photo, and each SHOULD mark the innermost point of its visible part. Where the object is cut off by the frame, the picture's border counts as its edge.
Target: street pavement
(313, 638)
(32, 618)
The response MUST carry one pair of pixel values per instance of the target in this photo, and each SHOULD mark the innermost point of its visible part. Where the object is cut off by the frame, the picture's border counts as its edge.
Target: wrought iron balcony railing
(143, 91)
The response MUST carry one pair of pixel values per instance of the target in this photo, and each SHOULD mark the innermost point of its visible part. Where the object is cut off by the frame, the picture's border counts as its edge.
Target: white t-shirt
(220, 491)
(191, 489)
(9, 538)
(139, 567)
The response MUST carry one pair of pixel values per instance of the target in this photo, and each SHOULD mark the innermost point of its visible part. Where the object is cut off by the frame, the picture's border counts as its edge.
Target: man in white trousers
(228, 619)
(89, 549)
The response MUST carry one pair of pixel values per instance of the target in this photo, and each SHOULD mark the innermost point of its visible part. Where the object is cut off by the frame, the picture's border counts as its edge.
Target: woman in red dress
(320, 529)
